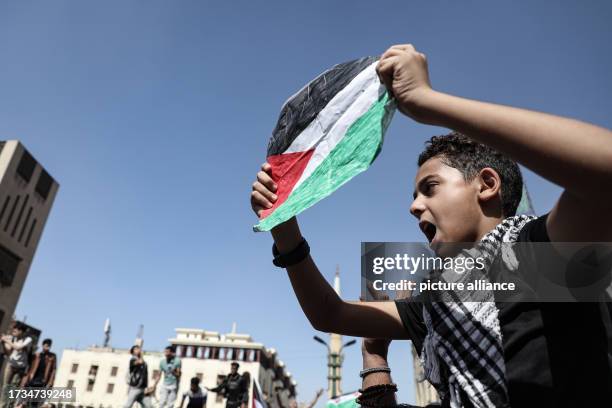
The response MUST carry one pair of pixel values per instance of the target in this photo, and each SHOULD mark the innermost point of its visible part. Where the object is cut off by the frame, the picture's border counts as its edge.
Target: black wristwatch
(297, 255)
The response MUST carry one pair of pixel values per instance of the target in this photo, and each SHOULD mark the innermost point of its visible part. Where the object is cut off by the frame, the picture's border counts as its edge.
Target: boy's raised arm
(325, 310)
(573, 154)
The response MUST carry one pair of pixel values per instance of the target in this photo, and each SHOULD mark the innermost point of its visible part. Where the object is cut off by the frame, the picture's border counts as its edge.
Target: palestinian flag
(327, 133)
(257, 400)
(344, 401)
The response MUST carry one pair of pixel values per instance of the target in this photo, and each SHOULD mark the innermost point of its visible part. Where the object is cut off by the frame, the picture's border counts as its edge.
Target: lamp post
(334, 364)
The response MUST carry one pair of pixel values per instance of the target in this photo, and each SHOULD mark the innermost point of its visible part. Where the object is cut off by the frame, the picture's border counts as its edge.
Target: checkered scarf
(462, 352)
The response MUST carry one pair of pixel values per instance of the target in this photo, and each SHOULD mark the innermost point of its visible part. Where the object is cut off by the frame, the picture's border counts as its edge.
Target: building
(27, 193)
(99, 374)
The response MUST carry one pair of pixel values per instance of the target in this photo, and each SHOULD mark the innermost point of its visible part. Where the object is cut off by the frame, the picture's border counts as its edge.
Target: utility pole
(334, 353)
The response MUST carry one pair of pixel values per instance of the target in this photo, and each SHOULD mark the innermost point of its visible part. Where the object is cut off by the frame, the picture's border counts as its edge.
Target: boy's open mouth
(428, 229)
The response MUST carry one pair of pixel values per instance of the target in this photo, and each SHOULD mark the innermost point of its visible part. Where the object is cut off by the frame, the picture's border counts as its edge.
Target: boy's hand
(404, 72)
(263, 195)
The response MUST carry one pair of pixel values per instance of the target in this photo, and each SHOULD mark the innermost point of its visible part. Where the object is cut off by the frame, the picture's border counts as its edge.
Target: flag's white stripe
(335, 108)
(334, 120)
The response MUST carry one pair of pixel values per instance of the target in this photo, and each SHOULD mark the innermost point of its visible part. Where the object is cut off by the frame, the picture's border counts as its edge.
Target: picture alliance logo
(412, 264)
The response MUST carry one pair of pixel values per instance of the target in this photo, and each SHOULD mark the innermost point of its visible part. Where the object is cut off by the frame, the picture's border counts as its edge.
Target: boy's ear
(489, 184)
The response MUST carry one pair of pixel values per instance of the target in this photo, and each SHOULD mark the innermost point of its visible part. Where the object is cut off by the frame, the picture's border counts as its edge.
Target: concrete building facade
(27, 192)
(99, 375)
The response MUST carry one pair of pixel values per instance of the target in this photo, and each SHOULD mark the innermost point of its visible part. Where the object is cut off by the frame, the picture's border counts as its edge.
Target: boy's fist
(404, 72)
(263, 195)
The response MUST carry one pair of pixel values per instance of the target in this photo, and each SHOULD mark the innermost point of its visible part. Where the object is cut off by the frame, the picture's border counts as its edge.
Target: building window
(109, 388)
(20, 215)
(11, 213)
(44, 183)
(8, 267)
(75, 367)
(26, 166)
(70, 384)
(25, 224)
(7, 200)
(30, 233)
(114, 371)
(91, 377)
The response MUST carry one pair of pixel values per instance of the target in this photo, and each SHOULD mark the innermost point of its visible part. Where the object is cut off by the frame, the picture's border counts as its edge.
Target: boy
(170, 366)
(18, 347)
(138, 380)
(42, 370)
(197, 396)
(546, 354)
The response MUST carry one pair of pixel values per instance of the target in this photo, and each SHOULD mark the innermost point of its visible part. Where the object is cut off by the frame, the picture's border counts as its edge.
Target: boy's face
(445, 204)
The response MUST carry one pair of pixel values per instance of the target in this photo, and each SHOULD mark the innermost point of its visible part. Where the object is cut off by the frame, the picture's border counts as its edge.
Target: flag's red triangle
(286, 171)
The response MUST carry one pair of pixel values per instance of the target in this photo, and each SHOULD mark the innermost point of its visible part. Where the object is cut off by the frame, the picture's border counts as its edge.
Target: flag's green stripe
(345, 402)
(352, 155)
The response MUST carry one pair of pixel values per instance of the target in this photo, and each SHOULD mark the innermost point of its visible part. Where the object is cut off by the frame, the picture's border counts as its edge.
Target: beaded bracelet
(365, 372)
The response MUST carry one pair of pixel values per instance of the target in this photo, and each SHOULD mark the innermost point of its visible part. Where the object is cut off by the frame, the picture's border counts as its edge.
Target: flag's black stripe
(303, 107)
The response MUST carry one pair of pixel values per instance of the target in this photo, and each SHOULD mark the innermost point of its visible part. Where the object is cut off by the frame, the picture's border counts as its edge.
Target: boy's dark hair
(235, 364)
(133, 347)
(172, 348)
(195, 381)
(469, 157)
(47, 342)
(20, 326)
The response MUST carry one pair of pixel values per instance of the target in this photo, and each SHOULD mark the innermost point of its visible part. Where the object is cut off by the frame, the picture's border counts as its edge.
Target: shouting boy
(467, 189)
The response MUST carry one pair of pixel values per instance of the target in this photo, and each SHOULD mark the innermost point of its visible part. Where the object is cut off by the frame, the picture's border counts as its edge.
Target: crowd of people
(467, 189)
(23, 366)
(234, 387)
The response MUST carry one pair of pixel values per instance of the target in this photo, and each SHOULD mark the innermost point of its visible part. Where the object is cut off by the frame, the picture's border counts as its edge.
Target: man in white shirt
(17, 346)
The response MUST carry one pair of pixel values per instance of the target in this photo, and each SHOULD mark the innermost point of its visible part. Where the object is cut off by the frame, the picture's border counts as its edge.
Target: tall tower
(27, 193)
(334, 364)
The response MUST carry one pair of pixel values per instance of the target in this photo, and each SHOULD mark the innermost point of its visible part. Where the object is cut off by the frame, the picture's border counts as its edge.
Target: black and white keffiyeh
(462, 352)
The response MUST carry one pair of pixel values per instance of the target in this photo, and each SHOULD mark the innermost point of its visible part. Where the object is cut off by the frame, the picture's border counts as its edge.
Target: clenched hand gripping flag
(327, 133)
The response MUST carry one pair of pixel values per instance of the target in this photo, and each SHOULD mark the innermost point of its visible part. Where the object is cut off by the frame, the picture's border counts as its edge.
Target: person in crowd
(17, 345)
(170, 367)
(196, 395)
(467, 189)
(246, 387)
(43, 367)
(138, 377)
(232, 387)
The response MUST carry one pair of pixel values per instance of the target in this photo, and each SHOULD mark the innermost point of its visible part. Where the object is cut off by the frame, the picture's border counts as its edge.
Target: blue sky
(154, 117)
